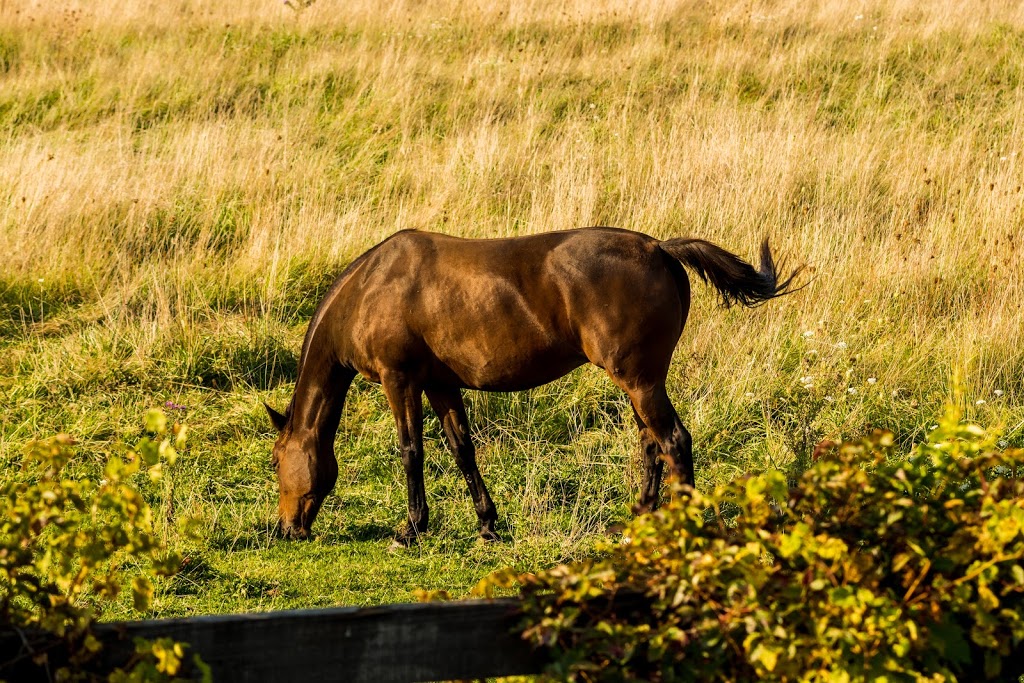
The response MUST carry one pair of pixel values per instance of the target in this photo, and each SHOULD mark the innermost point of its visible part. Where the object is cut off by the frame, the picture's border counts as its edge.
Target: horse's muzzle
(292, 532)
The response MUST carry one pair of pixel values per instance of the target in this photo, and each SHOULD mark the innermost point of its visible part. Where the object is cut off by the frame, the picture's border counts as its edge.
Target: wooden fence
(393, 643)
(437, 641)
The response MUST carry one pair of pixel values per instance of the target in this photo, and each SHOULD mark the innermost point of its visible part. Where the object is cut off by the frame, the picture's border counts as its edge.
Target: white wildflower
(808, 334)
(980, 402)
(872, 380)
(998, 392)
(841, 345)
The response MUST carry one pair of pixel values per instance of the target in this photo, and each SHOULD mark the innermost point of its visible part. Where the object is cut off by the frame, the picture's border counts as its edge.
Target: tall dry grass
(877, 143)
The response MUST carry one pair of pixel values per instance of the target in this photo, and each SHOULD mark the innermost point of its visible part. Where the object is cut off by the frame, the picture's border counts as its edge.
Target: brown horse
(428, 313)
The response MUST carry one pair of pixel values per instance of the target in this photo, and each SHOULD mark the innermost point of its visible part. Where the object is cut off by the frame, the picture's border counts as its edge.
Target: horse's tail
(735, 279)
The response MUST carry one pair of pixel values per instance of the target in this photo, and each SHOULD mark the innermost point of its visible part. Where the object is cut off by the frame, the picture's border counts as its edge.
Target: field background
(181, 180)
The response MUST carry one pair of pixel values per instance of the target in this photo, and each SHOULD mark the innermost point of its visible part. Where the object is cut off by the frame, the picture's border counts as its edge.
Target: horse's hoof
(643, 508)
(489, 536)
(406, 537)
(401, 542)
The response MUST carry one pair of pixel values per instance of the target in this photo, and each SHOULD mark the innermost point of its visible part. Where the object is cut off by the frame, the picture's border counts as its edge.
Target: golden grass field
(181, 180)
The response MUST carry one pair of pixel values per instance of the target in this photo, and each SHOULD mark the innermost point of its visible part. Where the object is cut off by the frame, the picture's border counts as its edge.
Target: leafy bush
(871, 567)
(65, 545)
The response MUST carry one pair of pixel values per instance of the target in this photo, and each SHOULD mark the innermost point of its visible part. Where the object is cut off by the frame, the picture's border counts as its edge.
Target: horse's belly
(499, 337)
(510, 366)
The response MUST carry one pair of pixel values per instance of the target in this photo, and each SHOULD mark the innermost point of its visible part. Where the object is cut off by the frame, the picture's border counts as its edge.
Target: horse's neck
(317, 403)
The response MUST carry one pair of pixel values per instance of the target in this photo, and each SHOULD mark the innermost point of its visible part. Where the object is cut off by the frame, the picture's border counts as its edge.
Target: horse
(428, 313)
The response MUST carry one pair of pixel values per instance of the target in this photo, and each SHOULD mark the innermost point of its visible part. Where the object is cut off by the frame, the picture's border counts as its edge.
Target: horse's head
(304, 476)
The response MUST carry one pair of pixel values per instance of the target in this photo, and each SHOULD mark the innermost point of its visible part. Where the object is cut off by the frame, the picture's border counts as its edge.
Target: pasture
(181, 181)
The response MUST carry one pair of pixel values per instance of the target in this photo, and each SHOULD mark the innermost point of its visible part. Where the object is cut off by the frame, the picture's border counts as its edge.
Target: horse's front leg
(406, 401)
(451, 411)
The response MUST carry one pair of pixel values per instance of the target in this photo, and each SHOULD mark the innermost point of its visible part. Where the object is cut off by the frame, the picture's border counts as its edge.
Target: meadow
(181, 181)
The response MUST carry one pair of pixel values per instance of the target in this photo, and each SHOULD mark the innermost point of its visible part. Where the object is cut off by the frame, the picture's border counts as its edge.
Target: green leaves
(64, 544)
(872, 567)
(156, 421)
(160, 449)
(142, 593)
(948, 639)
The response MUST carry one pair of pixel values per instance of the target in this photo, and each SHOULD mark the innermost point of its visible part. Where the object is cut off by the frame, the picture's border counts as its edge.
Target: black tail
(735, 279)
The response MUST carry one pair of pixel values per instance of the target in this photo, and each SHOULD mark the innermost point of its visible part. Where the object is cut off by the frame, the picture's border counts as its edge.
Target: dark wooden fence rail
(415, 642)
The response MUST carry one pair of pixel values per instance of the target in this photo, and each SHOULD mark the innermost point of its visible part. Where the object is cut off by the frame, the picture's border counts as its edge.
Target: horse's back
(511, 313)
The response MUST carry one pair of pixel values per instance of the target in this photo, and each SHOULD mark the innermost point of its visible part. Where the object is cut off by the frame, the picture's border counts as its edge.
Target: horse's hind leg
(655, 410)
(406, 404)
(452, 412)
(650, 453)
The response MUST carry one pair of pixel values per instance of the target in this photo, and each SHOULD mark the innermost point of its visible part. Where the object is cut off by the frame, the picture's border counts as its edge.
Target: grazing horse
(429, 313)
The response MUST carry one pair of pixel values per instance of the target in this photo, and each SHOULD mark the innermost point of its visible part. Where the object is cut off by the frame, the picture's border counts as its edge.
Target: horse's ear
(277, 418)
